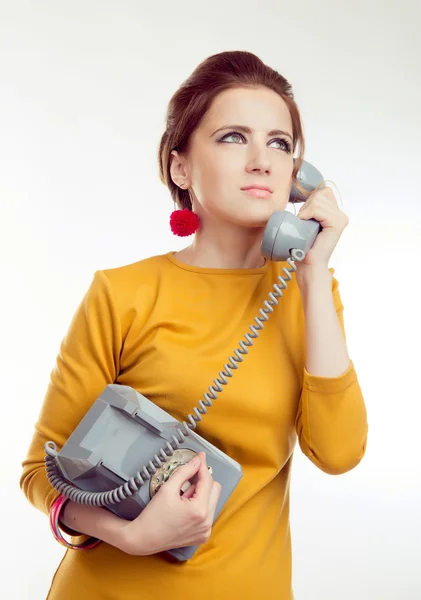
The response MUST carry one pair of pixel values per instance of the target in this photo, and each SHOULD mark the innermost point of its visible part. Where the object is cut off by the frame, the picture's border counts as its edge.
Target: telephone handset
(285, 233)
(99, 463)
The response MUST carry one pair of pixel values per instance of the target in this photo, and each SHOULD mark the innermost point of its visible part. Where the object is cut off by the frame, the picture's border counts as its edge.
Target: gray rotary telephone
(126, 447)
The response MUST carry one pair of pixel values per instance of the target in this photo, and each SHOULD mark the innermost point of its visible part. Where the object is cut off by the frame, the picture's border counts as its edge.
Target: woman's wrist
(132, 541)
(308, 275)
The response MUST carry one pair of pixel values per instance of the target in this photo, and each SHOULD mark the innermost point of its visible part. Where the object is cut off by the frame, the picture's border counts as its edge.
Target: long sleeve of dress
(86, 364)
(331, 421)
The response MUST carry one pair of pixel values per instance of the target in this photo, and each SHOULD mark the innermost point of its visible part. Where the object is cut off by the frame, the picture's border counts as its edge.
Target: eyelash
(287, 144)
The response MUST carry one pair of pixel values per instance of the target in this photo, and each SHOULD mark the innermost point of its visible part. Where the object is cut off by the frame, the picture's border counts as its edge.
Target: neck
(225, 248)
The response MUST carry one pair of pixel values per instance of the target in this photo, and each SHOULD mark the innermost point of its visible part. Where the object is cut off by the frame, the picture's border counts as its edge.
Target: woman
(167, 324)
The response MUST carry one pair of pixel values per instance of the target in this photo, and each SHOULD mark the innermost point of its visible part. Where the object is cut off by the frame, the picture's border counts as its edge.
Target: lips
(257, 187)
(258, 192)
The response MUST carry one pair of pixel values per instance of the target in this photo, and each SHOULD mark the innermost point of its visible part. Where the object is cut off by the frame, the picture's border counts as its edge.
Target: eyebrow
(245, 129)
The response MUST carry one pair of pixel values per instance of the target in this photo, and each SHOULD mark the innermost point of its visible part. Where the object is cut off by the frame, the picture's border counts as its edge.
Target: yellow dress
(166, 329)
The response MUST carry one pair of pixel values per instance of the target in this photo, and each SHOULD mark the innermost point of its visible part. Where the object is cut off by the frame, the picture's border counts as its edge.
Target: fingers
(183, 474)
(193, 481)
(189, 493)
(204, 481)
(214, 497)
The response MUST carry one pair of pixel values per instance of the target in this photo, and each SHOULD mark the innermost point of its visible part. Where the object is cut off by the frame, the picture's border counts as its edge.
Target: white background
(83, 92)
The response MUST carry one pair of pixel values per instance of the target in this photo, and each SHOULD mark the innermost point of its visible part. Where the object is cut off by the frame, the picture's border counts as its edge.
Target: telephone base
(119, 433)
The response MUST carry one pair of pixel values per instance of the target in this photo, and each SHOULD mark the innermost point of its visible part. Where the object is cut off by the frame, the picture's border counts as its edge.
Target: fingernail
(185, 486)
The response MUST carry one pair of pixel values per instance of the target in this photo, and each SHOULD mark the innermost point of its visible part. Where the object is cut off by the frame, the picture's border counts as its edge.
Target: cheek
(215, 173)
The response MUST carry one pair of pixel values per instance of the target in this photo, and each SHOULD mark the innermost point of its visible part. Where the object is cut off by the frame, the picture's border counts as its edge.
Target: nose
(259, 161)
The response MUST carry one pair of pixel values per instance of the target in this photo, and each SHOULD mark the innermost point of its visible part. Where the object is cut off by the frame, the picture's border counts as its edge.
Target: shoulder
(122, 290)
(134, 273)
(125, 282)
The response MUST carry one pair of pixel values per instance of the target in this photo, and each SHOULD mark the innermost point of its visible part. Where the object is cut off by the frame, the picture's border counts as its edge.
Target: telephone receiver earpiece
(284, 231)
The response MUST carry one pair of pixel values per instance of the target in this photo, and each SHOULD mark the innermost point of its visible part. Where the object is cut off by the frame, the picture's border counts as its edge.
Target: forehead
(258, 108)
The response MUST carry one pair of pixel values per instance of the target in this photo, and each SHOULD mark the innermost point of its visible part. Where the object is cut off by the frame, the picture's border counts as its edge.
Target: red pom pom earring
(184, 222)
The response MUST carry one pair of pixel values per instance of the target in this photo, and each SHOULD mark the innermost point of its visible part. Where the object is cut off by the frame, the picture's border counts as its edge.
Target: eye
(238, 136)
(285, 143)
(232, 134)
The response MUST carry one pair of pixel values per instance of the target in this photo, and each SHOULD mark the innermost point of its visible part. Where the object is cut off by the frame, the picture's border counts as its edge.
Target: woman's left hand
(321, 205)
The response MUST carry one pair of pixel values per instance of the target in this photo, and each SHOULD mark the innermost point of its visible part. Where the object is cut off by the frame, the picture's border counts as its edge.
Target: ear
(179, 169)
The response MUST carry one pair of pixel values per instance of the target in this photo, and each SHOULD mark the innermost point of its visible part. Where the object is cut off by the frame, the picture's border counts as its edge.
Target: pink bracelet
(55, 510)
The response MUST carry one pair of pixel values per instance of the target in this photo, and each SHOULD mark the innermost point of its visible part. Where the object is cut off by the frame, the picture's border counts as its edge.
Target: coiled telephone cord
(146, 472)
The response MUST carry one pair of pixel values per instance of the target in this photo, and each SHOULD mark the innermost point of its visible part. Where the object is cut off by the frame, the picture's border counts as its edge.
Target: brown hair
(193, 99)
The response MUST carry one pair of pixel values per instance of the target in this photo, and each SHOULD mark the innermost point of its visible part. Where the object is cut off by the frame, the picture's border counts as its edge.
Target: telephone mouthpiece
(285, 232)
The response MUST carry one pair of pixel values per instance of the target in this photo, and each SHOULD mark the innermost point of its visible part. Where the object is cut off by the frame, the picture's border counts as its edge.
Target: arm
(87, 362)
(93, 521)
(331, 422)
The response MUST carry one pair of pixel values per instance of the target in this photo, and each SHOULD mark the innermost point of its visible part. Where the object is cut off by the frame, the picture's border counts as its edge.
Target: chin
(255, 217)
(251, 221)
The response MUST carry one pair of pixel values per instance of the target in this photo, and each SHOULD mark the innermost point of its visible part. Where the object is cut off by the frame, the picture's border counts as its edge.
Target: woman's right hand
(172, 519)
